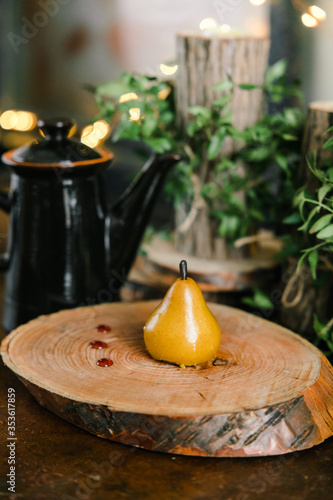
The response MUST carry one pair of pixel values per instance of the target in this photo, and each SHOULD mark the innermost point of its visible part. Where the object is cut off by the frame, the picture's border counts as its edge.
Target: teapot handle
(5, 205)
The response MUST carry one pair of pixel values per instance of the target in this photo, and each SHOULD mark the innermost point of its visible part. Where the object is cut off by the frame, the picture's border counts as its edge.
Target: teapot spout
(130, 215)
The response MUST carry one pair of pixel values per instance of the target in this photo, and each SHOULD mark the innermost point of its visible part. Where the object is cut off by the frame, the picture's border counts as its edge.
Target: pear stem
(183, 269)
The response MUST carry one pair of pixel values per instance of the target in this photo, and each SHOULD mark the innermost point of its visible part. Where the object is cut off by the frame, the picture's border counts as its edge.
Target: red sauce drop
(103, 328)
(97, 344)
(104, 362)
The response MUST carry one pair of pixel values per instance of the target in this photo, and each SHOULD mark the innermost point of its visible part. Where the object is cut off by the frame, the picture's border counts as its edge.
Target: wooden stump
(301, 300)
(267, 392)
(319, 120)
(202, 63)
(159, 268)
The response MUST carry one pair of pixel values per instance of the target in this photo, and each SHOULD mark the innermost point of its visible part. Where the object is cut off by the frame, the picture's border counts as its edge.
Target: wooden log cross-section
(267, 391)
(203, 62)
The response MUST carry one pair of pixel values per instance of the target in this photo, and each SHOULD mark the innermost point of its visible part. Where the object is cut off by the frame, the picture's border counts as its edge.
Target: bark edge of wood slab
(267, 392)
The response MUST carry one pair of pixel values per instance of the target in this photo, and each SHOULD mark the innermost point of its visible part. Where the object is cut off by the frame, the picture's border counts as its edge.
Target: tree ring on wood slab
(272, 394)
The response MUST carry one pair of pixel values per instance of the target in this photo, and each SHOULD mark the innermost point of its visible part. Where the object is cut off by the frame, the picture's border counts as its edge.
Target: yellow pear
(182, 330)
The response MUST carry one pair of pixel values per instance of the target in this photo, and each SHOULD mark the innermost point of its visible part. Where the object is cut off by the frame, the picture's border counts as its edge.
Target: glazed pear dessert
(182, 330)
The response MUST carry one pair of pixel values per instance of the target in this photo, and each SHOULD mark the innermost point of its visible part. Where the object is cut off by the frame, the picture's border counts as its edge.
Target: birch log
(202, 63)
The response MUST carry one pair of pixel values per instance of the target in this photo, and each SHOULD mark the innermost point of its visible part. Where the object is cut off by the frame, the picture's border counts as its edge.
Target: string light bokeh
(311, 15)
(21, 121)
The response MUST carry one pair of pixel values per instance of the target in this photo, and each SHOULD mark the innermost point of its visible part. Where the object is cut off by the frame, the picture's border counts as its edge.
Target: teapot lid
(56, 148)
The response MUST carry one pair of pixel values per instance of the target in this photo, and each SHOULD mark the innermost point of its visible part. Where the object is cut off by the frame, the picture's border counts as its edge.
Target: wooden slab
(160, 267)
(267, 392)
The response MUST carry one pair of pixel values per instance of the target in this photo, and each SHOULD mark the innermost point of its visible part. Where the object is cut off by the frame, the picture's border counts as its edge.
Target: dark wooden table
(56, 460)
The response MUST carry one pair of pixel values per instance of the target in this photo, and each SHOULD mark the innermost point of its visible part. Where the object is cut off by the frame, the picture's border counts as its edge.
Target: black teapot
(66, 246)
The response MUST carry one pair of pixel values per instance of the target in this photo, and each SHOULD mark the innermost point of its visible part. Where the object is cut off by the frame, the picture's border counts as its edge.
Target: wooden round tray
(160, 267)
(267, 392)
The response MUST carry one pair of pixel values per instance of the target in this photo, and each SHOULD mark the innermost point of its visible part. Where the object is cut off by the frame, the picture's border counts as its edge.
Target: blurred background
(51, 48)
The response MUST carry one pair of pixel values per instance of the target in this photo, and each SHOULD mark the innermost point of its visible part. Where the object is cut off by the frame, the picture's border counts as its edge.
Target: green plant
(324, 332)
(259, 300)
(315, 211)
(154, 122)
(268, 153)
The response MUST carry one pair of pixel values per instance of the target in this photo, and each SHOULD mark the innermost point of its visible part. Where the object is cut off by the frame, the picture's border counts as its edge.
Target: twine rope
(197, 205)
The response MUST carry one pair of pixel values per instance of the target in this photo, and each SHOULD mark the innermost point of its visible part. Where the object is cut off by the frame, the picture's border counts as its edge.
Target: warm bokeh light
(207, 23)
(168, 70)
(25, 121)
(130, 96)
(163, 94)
(317, 13)
(72, 130)
(135, 114)
(257, 2)
(87, 131)
(90, 140)
(93, 135)
(22, 121)
(8, 119)
(90, 137)
(101, 129)
(309, 21)
(225, 28)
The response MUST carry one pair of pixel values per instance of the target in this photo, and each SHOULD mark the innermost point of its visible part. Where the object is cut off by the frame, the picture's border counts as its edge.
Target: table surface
(56, 460)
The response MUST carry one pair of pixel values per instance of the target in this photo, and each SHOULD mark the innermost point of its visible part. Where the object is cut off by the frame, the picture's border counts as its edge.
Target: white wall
(148, 27)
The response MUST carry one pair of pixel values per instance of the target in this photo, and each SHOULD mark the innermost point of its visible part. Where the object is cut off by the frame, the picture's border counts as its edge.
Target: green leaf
(319, 327)
(313, 212)
(282, 161)
(159, 144)
(276, 71)
(149, 124)
(321, 223)
(329, 174)
(259, 300)
(167, 117)
(258, 154)
(248, 86)
(192, 128)
(113, 89)
(200, 110)
(326, 233)
(313, 261)
(256, 214)
(289, 137)
(329, 130)
(323, 191)
(225, 99)
(215, 146)
(294, 218)
(328, 144)
(225, 85)
(228, 226)
(300, 262)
